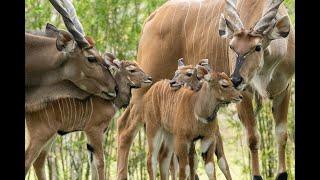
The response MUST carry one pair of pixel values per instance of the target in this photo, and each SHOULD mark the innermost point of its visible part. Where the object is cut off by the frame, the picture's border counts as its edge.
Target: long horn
(78, 36)
(268, 17)
(73, 14)
(233, 15)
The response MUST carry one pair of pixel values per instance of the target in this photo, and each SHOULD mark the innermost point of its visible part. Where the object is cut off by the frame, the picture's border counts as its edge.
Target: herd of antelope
(194, 56)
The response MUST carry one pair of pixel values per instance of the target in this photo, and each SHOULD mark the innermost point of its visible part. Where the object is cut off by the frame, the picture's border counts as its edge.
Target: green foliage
(290, 4)
(115, 25)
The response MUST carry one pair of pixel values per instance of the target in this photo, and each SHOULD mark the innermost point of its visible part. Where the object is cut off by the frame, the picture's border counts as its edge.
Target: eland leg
(39, 134)
(246, 115)
(280, 111)
(193, 161)
(95, 148)
(165, 156)
(222, 161)
(39, 163)
(128, 127)
(181, 148)
(208, 147)
(155, 139)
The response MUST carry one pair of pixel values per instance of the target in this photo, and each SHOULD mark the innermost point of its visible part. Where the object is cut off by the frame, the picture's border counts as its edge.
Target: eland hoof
(282, 176)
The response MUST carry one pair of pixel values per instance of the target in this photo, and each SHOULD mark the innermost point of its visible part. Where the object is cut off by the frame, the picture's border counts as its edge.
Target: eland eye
(132, 71)
(92, 59)
(258, 48)
(189, 74)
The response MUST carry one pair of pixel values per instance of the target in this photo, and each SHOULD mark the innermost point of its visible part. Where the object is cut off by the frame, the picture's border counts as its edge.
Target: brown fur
(91, 115)
(186, 74)
(168, 113)
(46, 65)
(189, 29)
(181, 77)
(38, 98)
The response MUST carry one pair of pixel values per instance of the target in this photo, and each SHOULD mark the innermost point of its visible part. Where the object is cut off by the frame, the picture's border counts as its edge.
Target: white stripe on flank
(61, 113)
(91, 109)
(75, 113)
(194, 33)
(152, 100)
(202, 33)
(217, 45)
(85, 115)
(78, 105)
(172, 26)
(69, 113)
(64, 104)
(161, 36)
(48, 119)
(81, 114)
(53, 109)
(184, 27)
(209, 32)
(70, 118)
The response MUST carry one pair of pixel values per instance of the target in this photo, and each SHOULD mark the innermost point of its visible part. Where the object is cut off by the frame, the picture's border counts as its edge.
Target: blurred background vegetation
(115, 26)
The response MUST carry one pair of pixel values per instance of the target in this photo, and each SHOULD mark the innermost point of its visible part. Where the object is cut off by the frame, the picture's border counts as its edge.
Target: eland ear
(117, 62)
(225, 28)
(201, 71)
(51, 30)
(205, 63)
(109, 56)
(65, 42)
(180, 62)
(281, 29)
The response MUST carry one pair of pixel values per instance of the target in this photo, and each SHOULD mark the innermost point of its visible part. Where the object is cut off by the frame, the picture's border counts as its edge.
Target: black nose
(236, 81)
(116, 89)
